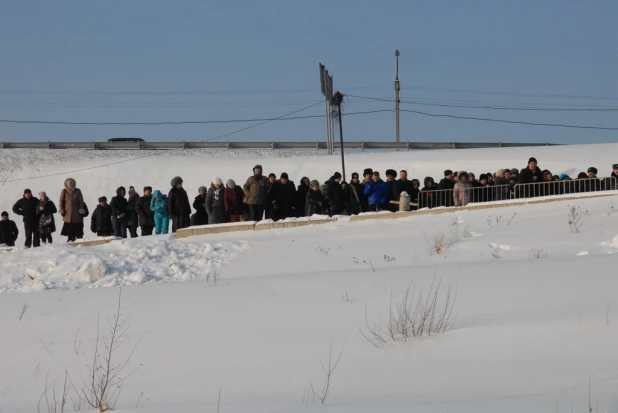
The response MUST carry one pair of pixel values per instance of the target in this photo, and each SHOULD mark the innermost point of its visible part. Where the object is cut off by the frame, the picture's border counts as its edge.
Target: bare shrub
(346, 298)
(54, 403)
(213, 277)
(24, 308)
(538, 253)
(575, 219)
(496, 254)
(438, 243)
(467, 231)
(416, 315)
(328, 369)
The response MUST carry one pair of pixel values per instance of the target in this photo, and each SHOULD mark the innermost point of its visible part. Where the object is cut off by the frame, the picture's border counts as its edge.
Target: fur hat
(514, 171)
(42, 193)
(368, 171)
(314, 183)
(354, 175)
(582, 175)
(202, 188)
(175, 181)
(615, 166)
(70, 181)
(284, 175)
(462, 174)
(230, 184)
(27, 191)
(482, 177)
(533, 159)
(217, 181)
(593, 170)
(147, 188)
(447, 173)
(336, 175)
(4, 214)
(391, 172)
(103, 199)
(257, 168)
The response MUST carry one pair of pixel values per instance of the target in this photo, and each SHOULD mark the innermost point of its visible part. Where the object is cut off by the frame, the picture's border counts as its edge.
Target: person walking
(132, 217)
(73, 210)
(233, 201)
(199, 204)
(178, 205)
(255, 193)
(45, 218)
(215, 206)
(8, 230)
(27, 208)
(119, 213)
(145, 215)
(101, 220)
(159, 206)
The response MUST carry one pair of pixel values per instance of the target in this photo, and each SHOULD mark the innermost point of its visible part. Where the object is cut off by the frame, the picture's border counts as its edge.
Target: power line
(487, 92)
(421, 103)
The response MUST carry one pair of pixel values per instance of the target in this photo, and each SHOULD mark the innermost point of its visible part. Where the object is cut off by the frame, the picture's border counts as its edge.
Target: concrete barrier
(215, 229)
(91, 242)
(474, 207)
(292, 224)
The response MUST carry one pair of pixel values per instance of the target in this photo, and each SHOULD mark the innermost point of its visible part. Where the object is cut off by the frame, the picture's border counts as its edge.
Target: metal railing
(479, 194)
(273, 145)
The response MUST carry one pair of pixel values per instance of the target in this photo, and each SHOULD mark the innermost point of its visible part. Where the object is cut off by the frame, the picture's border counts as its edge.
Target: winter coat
(255, 190)
(200, 217)
(145, 215)
(8, 232)
(71, 205)
(462, 193)
(314, 203)
(49, 209)
(501, 190)
(215, 206)
(401, 186)
(354, 196)
(101, 220)
(159, 203)
(334, 194)
(28, 208)
(479, 192)
(284, 199)
(119, 205)
(232, 199)
(178, 203)
(445, 196)
(377, 192)
(301, 197)
(132, 217)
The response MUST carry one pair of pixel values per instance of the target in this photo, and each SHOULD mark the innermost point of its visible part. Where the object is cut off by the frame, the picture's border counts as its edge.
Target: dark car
(126, 140)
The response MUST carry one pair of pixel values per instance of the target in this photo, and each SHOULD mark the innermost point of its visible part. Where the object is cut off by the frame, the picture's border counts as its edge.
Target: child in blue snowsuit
(158, 205)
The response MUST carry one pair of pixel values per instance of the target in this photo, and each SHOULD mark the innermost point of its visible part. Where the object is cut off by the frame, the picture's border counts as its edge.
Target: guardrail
(274, 145)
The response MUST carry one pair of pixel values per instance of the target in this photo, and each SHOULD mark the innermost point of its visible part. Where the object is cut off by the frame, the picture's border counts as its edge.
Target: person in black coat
(334, 194)
(178, 205)
(392, 186)
(315, 200)
(8, 230)
(27, 207)
(46, 222)
(144, 213)
(428, 197)
(283, 193)
(446, 185)
(101, 220)
(301, 196)
(199, 204)
(354, 196)
(119, 213)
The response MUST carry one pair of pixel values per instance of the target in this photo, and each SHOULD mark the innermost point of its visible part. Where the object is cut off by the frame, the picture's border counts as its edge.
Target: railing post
(139, 145)
(408, 145)
(48, 145)
(94, 146)
(184, 145)
(362, 146)
(273, 145)
(228, 145)
(454, 145)
(2, 145)
(499, 144)
(317, 146)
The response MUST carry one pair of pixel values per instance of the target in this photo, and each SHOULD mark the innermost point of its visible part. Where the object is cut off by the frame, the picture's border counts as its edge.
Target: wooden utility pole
(397, 89)
(337, 100)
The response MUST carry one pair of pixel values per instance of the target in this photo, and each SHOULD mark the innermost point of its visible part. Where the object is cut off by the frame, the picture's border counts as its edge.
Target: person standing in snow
(145, 215)
(45, 218)
(269, 207)
(334, 194)
(8, 230)
(159, 206)
(199, 204)
(314, 201)
(101, 220)
(27, 208)
(427, 197)
(132, 217)
(377, 193)
(233, 201)
(178, 205)
(461, 190)
(73, 210)
(445, 187)
(255, 190)
(283, 194)
(353, 195)
(393, 190)
(119, 213)
(301, 196)
(215, 206)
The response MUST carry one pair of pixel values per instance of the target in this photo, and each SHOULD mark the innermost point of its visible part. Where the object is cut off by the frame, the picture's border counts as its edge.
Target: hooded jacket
(462, 192)
(255, 190)
(428, 198)
(334, 193)
(145, 215)
(301, 196)
(178, 202)
(232, 199)
(49, 208)
(200, 217)
(158, 203)
(119, 204)
(101, 220)
(377, 192)
(215, 206)
(315, 203)
(71, 205)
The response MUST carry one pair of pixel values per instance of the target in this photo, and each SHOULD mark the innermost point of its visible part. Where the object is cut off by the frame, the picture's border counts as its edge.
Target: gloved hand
(275, 205)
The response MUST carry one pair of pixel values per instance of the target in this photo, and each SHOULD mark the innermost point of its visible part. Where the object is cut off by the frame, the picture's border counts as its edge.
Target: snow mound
(93, 270)
(583, 254)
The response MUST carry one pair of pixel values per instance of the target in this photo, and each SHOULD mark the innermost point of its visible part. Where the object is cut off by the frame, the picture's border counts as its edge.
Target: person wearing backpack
(47, 224)
(158, 205)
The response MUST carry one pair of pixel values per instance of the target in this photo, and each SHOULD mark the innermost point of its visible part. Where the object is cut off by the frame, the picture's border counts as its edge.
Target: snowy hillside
(535, 316)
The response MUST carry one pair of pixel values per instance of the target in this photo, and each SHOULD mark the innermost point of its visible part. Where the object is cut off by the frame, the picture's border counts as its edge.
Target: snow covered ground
(536, 315)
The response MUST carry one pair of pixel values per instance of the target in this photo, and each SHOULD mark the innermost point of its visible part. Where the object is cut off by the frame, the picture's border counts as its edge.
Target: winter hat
(500, 172)
(4, 214)
(483, 177)
(416, 182)
(563, 177)
(271, 175)
(42, 193)
(429, 179)
(257, 168)
(556, 177)
(391, 172)
(314, 183)
(582, 175)
(615, 166)
(471, 175)
(147, 188)
(202, 188)
(514, 171)
(131, 190)
(368, 171)
(323, 187)
(176, 180)
(70, 181)
(343, 183)
(336, 175)
(103, 199)
(120, 190)
(217, 181)
(284, 175)
(27, 191)
(593, 170)
(463, 174)
(448, 172)
(354, 175)
(230, 184)
(533, 159)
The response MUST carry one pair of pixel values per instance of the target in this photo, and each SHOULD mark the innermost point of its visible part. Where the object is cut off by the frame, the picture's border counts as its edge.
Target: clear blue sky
(547, 47)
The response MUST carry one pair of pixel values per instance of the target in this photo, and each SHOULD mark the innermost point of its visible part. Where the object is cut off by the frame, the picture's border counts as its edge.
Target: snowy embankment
(535, 314)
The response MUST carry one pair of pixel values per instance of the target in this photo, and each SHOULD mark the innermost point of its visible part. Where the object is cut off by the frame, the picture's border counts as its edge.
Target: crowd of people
(266, 197)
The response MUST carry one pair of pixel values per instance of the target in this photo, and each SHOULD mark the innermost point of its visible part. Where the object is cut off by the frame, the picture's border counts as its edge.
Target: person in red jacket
(233, 200)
